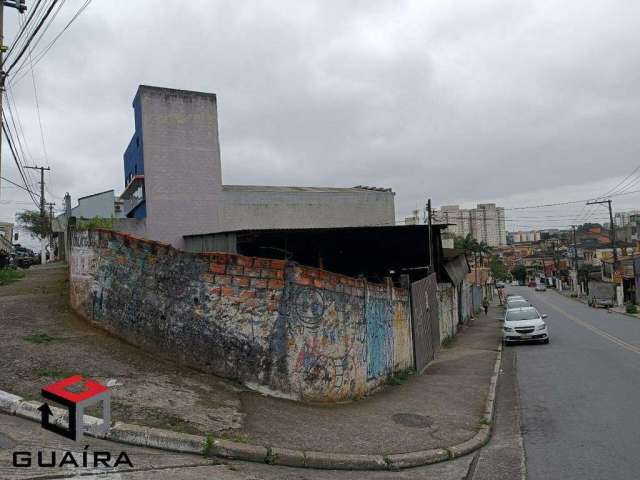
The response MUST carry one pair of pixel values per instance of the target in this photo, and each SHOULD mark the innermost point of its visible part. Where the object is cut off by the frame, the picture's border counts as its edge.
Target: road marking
(597, 331)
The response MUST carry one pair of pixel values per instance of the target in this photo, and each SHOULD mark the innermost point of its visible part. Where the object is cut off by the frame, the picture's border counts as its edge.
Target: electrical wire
(30, 39)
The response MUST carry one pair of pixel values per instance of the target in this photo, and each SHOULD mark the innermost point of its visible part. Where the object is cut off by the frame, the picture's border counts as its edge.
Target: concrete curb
(209, 446)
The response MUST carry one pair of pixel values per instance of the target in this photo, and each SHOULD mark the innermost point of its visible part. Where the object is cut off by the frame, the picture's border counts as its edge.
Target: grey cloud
(463, 101)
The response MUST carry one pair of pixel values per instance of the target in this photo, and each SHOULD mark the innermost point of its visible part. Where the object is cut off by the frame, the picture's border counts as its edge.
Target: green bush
(631, 308)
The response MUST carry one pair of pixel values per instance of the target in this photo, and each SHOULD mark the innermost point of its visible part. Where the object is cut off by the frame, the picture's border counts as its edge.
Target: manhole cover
(6, 442)
(412, 420)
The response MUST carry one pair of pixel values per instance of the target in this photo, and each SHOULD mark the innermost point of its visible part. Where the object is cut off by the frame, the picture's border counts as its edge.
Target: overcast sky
(513, 102)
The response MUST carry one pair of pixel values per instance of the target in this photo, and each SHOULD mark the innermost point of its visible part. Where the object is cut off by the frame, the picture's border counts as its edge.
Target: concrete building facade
(529, 236)
(103, 205)
(173, 180)
(622, 219)
(485, 223)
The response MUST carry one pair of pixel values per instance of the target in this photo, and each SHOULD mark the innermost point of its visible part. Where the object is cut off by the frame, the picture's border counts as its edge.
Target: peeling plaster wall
(289, 330)
(447, 310)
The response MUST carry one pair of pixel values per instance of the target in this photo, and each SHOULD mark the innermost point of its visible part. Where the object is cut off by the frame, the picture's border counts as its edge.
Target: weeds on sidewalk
(9, 275)
(39, 338)
(400, 377)
(209, 447)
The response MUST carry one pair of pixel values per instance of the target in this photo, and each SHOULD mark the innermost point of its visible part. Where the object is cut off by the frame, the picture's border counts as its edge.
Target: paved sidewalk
(43, 341)
(442, 407)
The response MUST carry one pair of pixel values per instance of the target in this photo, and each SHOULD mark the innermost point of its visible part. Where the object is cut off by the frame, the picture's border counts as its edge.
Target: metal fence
(425, 323)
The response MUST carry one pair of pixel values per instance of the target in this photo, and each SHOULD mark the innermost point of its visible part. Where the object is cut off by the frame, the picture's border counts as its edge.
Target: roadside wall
(278, 327)
(447, 311)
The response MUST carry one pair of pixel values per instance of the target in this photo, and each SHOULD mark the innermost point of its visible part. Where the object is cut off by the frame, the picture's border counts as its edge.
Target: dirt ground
(42, 341)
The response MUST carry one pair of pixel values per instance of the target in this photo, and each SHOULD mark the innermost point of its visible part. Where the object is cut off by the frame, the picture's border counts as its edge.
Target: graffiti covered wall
(277, 326)
(447, 310)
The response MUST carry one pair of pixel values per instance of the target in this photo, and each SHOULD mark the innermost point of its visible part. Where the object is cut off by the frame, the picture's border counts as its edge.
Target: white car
(541, 287)
(524, 325)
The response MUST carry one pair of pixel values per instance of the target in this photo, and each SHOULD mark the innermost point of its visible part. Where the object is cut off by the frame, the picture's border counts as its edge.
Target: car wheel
(545, 341)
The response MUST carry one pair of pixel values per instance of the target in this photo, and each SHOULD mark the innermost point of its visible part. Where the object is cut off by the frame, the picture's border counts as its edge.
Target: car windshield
(517, 304)
(524, 314)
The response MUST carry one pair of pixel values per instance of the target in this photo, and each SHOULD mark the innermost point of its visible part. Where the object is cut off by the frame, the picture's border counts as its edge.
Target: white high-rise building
(485, 223)
(622, 219)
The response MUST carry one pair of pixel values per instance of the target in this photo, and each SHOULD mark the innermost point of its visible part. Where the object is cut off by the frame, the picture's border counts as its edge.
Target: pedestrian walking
(485, 305)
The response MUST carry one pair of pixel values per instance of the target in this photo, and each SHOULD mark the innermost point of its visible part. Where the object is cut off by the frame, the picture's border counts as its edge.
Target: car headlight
(541, 327)
(508, 329)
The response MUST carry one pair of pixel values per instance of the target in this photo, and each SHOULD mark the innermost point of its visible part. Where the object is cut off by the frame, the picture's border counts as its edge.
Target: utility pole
(51, 205)
(430, 235)
(612, 228)
(2, 75)
(575, 248)
(20, 5)
(43, 253)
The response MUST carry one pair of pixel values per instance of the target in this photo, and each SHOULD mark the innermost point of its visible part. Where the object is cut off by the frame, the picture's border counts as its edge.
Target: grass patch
(400, 377)
(631, 308)
(484, 421)
(9, 275)
(39, 338)
(209, 447)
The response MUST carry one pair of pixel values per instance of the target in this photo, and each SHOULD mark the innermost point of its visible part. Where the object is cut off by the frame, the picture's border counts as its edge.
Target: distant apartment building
(485, 223)
(522, 237)
(413, 219)
(622, 219)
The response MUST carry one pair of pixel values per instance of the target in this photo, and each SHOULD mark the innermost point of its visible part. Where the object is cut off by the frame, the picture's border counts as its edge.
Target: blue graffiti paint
(379, 337)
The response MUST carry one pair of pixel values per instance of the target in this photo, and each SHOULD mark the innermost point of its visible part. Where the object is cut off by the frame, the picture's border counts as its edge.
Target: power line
(24, 27)
(30, 39)
(14, 154)
(39, 55)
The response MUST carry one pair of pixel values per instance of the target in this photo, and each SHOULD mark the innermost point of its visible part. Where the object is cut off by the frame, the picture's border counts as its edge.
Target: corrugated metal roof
(457, 269)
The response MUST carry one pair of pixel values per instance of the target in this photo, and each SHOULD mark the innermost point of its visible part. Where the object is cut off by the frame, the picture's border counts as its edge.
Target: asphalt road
(580, 395)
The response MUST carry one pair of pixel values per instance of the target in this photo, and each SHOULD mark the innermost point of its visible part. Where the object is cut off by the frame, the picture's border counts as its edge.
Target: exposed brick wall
(277, 326)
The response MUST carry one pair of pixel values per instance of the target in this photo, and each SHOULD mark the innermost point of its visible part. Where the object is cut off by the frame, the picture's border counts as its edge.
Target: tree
(37, 225)
(519, 272)
(498, 270)
(485, 249)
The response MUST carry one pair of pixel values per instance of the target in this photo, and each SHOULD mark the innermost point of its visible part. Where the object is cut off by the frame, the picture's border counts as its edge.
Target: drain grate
(412, 420)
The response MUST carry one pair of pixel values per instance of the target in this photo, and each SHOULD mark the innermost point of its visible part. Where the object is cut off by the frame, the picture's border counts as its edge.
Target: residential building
(6, 241)
(6, 231)
(630, 232)
(622, 219)
(173, 180)
(485, 223)
(529, 236)
(103, 205)
(413, 219)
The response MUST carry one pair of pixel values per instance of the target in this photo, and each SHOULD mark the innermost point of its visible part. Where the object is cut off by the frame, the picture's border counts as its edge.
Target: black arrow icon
(45, 413)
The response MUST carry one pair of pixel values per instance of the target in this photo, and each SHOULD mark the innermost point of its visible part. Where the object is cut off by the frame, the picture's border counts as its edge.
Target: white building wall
(183, 186)
(271, 209)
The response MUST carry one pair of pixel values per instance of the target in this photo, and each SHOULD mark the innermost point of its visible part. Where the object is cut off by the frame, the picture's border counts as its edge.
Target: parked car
(500, 285)
(516, 303)
(541, 287)
(524, 325)
(532, 284)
